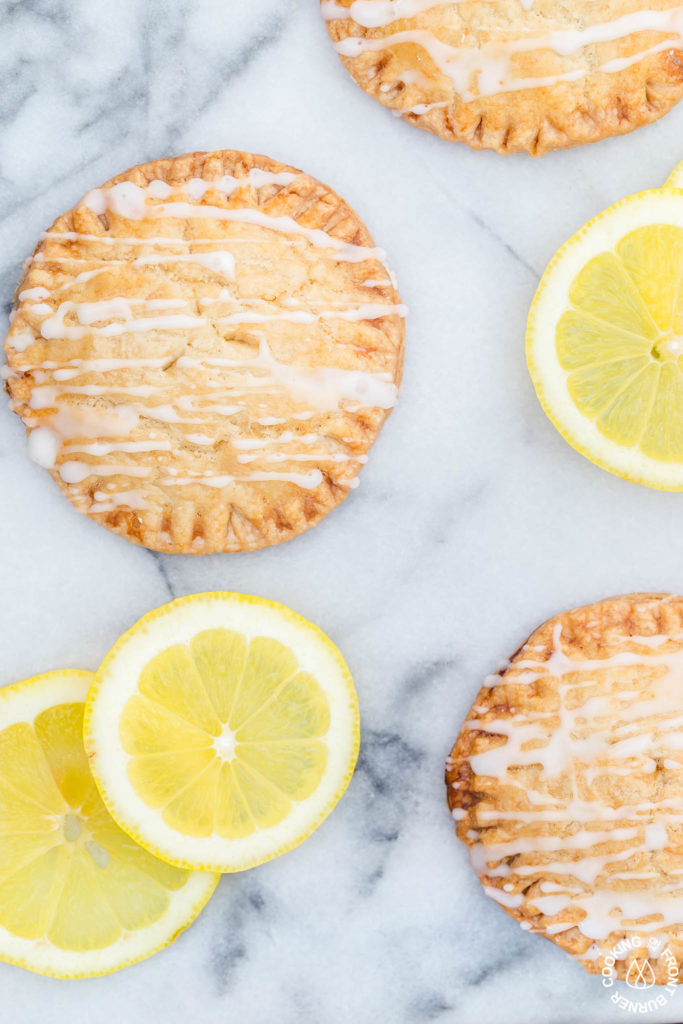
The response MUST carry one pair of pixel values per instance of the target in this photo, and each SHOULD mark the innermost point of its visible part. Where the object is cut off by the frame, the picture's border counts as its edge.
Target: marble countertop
(474, 520)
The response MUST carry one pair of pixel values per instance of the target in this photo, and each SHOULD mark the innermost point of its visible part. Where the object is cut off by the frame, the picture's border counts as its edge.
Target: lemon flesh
(605, 339)
(77, 896)
(230, 743)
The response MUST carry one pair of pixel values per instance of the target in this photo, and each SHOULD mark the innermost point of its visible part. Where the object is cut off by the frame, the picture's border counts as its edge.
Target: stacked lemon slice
(219, 732)
(77, 896)
(605, 338)
(221, 746)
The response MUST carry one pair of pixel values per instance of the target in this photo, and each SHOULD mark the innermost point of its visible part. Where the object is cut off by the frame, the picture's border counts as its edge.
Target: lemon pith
(605, 339)
(222, 729)
(78, 897)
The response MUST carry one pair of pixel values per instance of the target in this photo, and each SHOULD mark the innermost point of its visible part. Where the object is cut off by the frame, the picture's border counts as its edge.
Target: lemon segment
(78, 897)
(222, 729)
(605, 339)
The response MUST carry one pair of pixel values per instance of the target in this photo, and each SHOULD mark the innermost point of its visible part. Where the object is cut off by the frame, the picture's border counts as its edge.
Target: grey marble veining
(474, 520)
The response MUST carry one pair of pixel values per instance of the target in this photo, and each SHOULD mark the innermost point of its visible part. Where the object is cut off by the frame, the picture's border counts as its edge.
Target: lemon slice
(77, 896)
(675, 179)
(222, 729)
(605, 339)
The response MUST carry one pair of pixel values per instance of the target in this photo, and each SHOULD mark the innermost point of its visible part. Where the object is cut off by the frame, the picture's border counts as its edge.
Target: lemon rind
(675, 179)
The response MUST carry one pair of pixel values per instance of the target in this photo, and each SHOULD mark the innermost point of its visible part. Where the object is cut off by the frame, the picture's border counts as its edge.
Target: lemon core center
(72, 827)
(668, 348)
(225, 744)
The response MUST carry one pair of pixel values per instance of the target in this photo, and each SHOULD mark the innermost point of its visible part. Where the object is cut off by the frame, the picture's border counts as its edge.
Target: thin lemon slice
(78, 897)
(675, 179)
(605, 339)
(222, 729)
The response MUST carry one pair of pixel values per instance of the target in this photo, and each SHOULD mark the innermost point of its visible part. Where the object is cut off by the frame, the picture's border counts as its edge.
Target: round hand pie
(515, 75)
(566, 783)
(204, 350)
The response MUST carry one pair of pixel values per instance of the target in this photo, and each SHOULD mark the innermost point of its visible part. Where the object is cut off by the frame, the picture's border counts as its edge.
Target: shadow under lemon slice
(78, 897)
(222, 729)
(605, 339)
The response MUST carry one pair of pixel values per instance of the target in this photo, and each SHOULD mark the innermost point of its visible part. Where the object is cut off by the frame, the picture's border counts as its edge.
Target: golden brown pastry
(514, 75)
(204, 350)
(566, 783)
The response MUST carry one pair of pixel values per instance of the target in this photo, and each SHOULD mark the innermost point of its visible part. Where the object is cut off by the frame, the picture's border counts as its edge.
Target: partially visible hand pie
(514, 75)
(566, 783)
(204, 350)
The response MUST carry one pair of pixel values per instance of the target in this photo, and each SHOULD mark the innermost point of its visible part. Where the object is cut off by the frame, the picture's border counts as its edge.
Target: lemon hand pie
(203, 351)
(515, 75)
(566, 783)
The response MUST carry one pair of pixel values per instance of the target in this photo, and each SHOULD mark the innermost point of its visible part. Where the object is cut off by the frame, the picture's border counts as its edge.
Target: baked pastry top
(514, 75)
(203, 351)
(566, 783)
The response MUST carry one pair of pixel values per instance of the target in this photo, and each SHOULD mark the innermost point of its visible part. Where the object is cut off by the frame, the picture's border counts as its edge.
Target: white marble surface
(474, 520)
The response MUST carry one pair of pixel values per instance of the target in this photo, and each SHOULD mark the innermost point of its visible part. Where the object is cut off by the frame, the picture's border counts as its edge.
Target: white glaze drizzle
(221, 261)
(323, 389)
(132, 202)
(378, 13)
(488, 69)
(366, 311)
(309, 481)
(129, 200)
(105, 501)
(35, 294)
